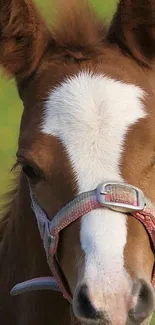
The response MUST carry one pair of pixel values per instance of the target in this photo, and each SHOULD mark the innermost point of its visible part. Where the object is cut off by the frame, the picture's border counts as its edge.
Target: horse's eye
(33, 174)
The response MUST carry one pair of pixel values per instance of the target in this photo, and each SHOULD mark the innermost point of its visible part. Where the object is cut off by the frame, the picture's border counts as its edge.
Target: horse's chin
(101, 322)
(93, 322)
(90, 322)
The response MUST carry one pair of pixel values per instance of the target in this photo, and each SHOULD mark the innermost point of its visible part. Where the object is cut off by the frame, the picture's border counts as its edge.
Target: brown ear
(23, 37)
(133, 29)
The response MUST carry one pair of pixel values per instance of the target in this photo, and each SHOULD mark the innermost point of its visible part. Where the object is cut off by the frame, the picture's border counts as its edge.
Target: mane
(78, 29)
(21, 249)
(8, 200)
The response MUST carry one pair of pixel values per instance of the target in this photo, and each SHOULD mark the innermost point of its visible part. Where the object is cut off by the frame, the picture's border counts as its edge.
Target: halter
(119, 197)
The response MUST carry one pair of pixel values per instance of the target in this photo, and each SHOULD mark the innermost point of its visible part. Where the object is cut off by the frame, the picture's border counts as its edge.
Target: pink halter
(120, 197)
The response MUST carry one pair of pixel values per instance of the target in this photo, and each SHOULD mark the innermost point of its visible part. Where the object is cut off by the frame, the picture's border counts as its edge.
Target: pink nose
(132, 302)
(137, 309)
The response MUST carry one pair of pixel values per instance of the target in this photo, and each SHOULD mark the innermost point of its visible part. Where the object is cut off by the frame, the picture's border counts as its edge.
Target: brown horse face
(89, 118)
(106, 256)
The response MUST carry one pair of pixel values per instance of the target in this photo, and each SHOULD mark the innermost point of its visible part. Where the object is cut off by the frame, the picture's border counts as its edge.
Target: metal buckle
(105, 188)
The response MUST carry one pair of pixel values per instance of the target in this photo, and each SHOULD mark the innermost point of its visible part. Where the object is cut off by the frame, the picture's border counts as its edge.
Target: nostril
(144, 293)
(146, 298)
(84, 305)
(145, 301)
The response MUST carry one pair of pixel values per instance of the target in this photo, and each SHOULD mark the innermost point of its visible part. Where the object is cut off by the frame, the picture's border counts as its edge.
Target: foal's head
(88, 96)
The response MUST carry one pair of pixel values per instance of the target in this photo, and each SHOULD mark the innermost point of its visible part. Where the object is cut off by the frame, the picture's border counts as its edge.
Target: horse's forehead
(91, 114)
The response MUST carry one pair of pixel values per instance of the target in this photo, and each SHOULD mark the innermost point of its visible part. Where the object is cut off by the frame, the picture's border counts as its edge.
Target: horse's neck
(22, 257)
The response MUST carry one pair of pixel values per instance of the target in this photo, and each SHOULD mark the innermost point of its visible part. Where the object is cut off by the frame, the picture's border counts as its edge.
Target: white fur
(91, 115)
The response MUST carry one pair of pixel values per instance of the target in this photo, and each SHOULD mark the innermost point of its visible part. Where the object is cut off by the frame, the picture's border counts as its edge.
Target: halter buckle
(124, 190)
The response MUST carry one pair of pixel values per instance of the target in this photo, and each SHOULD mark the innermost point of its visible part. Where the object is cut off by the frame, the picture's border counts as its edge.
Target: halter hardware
(105, 190)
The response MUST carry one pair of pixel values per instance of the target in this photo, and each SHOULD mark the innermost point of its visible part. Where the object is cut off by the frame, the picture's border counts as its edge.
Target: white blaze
(91, 115)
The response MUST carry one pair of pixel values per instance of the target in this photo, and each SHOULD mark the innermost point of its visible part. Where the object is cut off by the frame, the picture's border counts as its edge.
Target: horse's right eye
(33, 174)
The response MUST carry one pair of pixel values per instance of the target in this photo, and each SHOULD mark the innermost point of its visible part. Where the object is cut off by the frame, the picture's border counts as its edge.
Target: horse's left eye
(33, 174)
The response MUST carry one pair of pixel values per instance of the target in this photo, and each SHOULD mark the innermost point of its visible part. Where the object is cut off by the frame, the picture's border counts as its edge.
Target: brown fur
(83, 34)
(23, 37)
(133, 29)
(40, 60)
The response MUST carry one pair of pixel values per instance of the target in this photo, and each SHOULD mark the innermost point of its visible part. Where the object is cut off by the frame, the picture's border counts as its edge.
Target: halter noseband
(119, 197)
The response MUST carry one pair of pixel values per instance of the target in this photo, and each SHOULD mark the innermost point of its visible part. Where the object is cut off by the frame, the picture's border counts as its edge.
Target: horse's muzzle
(139, 306)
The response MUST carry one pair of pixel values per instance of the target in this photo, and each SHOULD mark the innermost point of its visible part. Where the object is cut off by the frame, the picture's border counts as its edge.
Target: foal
(89, 118)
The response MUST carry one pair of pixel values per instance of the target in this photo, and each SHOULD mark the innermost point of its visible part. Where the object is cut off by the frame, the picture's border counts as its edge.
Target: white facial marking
(91, 114)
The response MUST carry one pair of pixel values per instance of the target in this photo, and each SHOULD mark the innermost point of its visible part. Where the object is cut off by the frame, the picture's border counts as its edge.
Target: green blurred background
(11, 106)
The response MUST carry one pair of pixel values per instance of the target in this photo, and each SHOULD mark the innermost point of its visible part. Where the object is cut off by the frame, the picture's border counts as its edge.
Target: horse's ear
(23, 37)
(133, 29)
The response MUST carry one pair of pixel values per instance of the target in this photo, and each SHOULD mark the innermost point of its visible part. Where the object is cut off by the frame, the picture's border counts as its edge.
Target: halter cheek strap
(116, 196)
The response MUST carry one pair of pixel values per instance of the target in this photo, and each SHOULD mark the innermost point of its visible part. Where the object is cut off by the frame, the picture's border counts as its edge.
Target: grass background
(11, 106)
